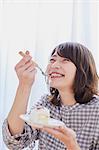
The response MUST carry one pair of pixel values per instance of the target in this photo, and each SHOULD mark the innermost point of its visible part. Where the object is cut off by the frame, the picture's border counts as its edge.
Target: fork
(27, 52)
(43, 73)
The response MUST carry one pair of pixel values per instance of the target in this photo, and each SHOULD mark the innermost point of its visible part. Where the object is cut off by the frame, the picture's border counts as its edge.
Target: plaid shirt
(82, 118)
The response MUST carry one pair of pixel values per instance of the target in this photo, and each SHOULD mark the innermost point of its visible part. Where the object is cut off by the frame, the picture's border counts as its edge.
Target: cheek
(71, 71)
(47, 69)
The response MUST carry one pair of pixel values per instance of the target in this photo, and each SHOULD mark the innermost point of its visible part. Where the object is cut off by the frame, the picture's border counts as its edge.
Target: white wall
(38, 26)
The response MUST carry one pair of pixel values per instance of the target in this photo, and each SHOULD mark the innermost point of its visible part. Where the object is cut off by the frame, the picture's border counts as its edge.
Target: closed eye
(66, 59)
(52, 60)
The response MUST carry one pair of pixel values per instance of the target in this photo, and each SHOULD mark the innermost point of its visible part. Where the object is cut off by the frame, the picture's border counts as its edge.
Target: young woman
(73, 99)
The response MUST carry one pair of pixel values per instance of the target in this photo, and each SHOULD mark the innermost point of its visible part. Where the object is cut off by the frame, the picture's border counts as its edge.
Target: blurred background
(39, 26)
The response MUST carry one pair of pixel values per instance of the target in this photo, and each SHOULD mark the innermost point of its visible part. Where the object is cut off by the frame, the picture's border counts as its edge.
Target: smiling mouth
(56, 75)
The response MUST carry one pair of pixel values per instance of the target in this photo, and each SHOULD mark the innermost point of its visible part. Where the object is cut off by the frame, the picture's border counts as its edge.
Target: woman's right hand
(26, 69)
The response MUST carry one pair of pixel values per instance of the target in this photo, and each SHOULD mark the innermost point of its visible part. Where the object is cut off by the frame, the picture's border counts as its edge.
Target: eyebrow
(54, 55)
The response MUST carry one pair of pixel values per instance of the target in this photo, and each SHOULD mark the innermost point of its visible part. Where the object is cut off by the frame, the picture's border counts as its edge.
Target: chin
(55, 85)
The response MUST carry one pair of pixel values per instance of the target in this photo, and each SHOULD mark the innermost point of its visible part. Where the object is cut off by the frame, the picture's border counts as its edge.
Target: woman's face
(61, 72)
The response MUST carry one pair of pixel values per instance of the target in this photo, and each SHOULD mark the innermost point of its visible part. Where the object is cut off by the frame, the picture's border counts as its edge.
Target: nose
(56, 65)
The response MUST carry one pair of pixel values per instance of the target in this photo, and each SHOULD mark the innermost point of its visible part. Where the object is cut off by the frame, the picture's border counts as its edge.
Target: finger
(25, 55)
(26, 59)
(26, 66)
(27, 52)
(29, 64)
(66, 131)
(35, 126)
(50, 130)
(22, 54)
(54, 133)
(22, 62)
(31, 69)
(61, 129)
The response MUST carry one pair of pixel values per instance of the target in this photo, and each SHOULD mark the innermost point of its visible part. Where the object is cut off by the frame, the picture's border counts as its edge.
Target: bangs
(67, 50)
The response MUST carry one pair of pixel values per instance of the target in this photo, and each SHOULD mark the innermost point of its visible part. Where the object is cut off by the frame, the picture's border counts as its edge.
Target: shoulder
(92, 106)
(94, 102)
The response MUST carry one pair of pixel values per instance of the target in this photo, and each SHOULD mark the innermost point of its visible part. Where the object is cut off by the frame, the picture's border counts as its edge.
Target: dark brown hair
(86, 78)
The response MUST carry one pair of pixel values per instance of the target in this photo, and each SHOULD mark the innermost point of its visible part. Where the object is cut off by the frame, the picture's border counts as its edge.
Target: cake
(40, 115)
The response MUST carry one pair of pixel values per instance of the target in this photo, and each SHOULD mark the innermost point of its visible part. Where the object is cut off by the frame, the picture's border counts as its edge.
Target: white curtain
(38, 26)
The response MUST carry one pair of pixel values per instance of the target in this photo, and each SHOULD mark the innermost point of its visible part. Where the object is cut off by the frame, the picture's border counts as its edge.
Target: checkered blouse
(82, 118)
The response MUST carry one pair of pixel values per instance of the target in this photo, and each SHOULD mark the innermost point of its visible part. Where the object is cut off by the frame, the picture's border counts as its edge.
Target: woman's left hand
(65, 135)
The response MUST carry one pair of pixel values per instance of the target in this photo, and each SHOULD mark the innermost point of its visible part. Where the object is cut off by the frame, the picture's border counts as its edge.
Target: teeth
(56, 75)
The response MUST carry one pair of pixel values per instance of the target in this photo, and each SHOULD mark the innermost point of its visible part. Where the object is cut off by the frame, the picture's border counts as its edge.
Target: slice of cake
(40, 115)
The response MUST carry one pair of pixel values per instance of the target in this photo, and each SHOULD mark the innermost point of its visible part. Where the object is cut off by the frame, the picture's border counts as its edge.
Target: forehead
(56, 55)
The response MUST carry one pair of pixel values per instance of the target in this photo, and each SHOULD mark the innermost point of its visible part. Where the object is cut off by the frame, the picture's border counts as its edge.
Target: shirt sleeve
(97, 145)
(96, 133)
(22, 140)
(19, 141)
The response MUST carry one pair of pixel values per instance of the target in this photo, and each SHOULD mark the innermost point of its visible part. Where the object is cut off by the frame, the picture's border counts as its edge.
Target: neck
(67, 97)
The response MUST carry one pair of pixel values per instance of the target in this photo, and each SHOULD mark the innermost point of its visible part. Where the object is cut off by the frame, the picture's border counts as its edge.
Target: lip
(56, 75)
